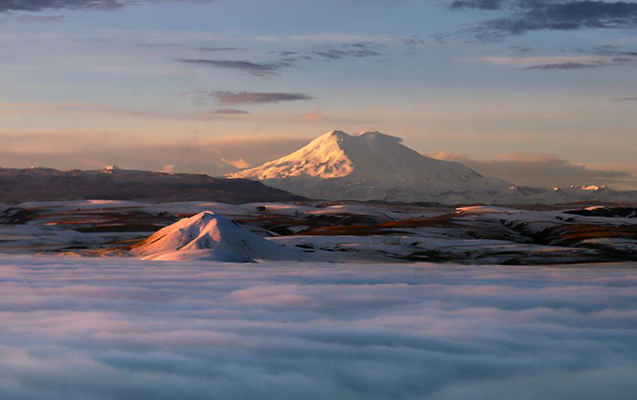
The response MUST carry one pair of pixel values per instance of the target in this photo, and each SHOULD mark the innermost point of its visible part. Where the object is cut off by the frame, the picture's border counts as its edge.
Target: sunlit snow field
(91, 328)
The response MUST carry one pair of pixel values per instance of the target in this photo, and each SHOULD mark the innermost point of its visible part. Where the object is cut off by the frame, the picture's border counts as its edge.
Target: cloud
(45, 5)
(202, 155)
(252, 68)
(120, 328)
(40, 18)
(596, 60)
(348, 50)
(239, 164)
(51, 5)
(566, 66)
(168, 168)
(230, 111)
(159, 45)
(627, 99)
(316, 115)
(610, 50)
(215, 49)
(288, 58)
(477, 4)
(258, 97)
(537, 15)
(542, 170)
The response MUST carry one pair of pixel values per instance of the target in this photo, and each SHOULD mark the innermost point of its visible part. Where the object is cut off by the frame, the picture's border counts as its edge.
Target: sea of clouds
(89, 329)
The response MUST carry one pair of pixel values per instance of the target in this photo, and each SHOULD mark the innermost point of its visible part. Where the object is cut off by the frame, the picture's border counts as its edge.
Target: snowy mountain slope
(375, 166)
(209, 236)
(370, 166)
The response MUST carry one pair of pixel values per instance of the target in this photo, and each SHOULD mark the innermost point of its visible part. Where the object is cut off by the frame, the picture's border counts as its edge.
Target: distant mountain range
(375, 166)
(112, 183)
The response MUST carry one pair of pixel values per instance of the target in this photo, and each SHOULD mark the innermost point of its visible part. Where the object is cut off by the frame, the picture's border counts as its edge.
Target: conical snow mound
(371, 166)
(210, 236)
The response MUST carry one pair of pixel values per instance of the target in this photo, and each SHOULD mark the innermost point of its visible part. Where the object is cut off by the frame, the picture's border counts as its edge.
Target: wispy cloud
(230, 111)
(287, 58)
(45, 5)
(239, 164)
(347, 50)
(101, 5)
(566, 66)
(595, 60)
(258, 97)
(252, 68)
(216, 49)
(621, 99)
(159, 45)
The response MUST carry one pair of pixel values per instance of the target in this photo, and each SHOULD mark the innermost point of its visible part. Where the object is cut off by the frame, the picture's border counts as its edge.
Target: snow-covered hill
(210, 236)
(375, 166)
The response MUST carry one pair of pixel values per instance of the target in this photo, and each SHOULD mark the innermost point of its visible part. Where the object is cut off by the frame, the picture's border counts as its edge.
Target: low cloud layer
(206, 155)
(542, 171)
(103, 328)
(258, 97)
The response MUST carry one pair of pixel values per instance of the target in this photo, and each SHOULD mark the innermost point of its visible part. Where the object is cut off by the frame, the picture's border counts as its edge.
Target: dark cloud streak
(99, 5)
(229, 111)
(215, 49)
(258, 97)
(566, 66)
(252, 68)
(625, 99)
(45, 5)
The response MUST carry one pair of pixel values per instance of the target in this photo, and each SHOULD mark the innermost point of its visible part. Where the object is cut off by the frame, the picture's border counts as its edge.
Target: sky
(537, 92)
(102, 329)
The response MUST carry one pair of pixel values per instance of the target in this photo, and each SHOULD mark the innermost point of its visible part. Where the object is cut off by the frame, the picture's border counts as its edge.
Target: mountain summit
(371, 166)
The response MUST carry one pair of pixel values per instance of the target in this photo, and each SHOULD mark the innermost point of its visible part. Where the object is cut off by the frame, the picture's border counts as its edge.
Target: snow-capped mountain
(210, 236)
(375, 166)
(370, 166)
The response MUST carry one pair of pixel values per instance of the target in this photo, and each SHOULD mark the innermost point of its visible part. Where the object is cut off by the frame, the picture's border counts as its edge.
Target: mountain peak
(367, 166)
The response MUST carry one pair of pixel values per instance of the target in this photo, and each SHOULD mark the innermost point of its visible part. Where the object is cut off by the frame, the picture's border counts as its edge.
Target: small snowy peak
(210, 236)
